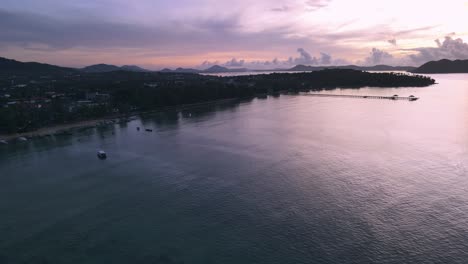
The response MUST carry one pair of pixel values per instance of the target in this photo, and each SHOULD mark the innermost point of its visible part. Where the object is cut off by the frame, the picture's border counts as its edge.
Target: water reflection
(166, 119)
(335, 180)
(207, 111)
(159, 121)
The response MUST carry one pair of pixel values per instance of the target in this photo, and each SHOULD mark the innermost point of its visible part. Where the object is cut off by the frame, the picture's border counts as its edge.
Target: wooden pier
(395, 97)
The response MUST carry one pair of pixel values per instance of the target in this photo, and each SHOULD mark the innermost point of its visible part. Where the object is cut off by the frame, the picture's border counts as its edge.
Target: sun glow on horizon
(171, 34)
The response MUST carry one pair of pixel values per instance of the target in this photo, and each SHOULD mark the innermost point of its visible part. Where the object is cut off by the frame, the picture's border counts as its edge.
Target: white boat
(3, 142)
(101, 154)
(22, 139)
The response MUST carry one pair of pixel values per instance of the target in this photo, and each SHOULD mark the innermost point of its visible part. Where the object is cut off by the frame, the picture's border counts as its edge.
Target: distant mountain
(379, 68)
(101, 68)
(353, 67)
(110, 68)
(181, 70)
(186, 70)
(444, 66)
(8, 66)
(220, 69)
(301, 67)
(133, 68)
(216, 69)
(212, 69)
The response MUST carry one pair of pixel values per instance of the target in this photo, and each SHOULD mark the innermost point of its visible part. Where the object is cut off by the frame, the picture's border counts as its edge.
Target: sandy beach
(53, 129)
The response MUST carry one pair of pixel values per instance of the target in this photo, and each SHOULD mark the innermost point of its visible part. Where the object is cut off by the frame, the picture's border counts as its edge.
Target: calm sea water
(291, 179)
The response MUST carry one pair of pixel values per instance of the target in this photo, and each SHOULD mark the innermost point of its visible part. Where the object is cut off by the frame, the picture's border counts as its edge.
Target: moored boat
(101, 154)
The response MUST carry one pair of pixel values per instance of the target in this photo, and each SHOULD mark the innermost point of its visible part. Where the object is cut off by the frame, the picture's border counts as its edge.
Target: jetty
(394, 97)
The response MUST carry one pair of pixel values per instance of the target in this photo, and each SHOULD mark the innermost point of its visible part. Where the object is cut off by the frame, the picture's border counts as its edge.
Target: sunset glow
(158, 34)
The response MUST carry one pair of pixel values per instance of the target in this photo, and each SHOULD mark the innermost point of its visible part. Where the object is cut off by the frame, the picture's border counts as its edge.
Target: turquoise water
(289, 179)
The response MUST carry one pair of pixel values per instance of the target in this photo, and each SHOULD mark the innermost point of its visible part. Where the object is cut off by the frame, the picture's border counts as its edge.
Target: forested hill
(444, 66)
(8, 66)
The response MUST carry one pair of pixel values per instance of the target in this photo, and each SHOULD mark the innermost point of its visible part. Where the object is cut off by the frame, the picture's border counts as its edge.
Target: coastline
(65, 128)
(50, 130)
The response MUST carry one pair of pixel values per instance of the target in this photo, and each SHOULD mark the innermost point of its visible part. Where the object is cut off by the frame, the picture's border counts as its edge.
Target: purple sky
(253, 34)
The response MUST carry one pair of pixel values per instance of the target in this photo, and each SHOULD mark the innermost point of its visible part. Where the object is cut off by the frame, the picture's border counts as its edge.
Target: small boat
(101, 154)
(138, 128)
(3, 142)
(22, 139)
(149, 130)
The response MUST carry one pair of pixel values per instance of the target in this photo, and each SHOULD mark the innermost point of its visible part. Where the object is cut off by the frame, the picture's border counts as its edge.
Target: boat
(22, 139)
(138, 128)
(413, 98)
(3, 142)
(101, 154)
(149, 130)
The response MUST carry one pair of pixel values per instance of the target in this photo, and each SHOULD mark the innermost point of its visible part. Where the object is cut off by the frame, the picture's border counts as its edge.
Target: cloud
(235, 63)
(378, 56)
(450, 48)
(281, 9)
(307, 59)
(222, 33)
(207, 64)
(304, 58)
(325, 59)
(183, 33)
(313, 5)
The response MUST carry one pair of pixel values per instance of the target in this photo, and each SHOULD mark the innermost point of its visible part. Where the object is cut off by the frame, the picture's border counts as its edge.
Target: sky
(256, 34)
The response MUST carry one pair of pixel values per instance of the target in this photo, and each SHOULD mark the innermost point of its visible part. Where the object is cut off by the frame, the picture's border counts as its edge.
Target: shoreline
(51, 130)
(65, 128)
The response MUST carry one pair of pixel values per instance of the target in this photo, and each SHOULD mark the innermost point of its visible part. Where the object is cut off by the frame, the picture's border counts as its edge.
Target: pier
(394, 97)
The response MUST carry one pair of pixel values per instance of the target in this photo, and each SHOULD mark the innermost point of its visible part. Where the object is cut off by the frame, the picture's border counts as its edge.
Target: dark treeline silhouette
(444, 66)
(66, 99)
